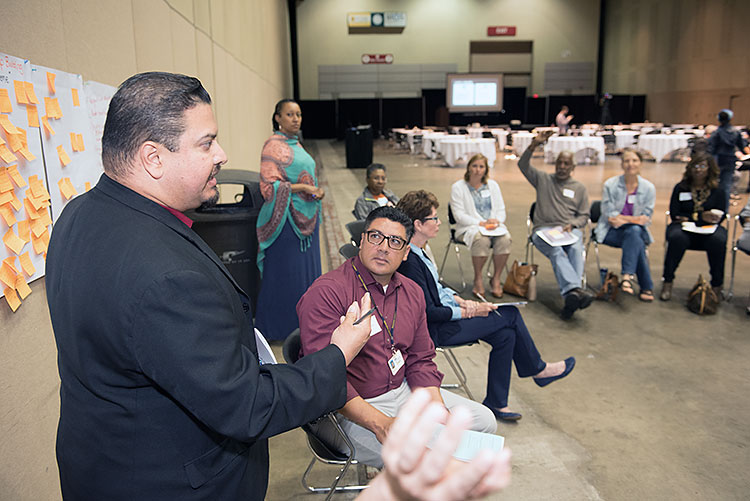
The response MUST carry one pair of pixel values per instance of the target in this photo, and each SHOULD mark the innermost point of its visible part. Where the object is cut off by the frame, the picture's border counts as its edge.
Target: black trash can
(359, 147)
(229, 229)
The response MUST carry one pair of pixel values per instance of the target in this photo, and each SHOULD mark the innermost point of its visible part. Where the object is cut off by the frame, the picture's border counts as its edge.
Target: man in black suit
(162, 392)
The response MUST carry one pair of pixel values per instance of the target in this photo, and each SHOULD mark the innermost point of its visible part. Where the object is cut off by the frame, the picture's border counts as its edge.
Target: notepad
(472, 443)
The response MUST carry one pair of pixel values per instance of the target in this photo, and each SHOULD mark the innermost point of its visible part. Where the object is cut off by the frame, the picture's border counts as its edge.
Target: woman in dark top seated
(696, 201)
(453, 320)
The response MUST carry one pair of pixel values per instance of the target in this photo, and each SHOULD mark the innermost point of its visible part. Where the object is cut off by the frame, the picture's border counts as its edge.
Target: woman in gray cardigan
(626, 210)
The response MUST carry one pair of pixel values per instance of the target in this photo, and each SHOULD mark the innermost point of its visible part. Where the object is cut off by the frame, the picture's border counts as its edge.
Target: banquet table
(661, 144)
(457, 150)
(428, 138)
(475, 131)
(501, 136)
(521, 141)
(576, 144)
(625, 138)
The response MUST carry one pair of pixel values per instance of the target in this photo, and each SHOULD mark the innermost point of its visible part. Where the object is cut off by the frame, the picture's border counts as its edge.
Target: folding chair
(455, 243)
(348, 250)
(457, 369)
(355, 229)
(321, 452)
(739, 223)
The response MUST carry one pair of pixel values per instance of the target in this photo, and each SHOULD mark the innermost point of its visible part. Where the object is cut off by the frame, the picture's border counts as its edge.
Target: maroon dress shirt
(328, 298)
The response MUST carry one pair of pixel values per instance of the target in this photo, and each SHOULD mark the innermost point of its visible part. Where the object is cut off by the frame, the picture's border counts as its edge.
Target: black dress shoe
(585, 298)
(570, 362)
(503, 416)
(572, 303)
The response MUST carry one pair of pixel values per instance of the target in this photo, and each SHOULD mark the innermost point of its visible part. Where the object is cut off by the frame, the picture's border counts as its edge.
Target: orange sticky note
(6, 154)
(14, 243)
(30, 94)
(63, 155)
(16, 176)
(23, 230)
(7, 125)
(87, 185)
(15, 141)
(52, 106)
(26, 264)
(32, 116)
(5, 184)
(12, 298)
(5, 105)
(22, 135)
(7, 213)
(22, 287)
(11, 261)
(8, 273)
(38, 227)
(30, 209)
(47, 126)
(6, 197)
(27, 154)
(15, 202)
(66, 188)
(51, 82)
(45, 239)
(76, 102)
(20, 88)
(81, 147)
(73, 141)
(44, 217)
(36, 186)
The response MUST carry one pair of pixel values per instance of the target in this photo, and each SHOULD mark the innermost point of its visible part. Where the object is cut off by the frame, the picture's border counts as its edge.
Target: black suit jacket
(438, 316)
(162, 395)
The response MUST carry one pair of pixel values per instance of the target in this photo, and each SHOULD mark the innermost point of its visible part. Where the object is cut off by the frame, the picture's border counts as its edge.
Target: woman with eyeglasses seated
(696, 209)
(454, 321)
(479, 210)
(626, 210)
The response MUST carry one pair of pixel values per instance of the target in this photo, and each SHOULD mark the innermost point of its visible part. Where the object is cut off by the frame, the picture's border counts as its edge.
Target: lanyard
(390, 329)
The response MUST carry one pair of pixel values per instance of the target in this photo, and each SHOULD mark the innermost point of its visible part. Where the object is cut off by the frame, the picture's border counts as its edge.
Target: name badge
(486, 194)
(382, 201)
(685, 195)
(396, 362)
(631, 199)
(374, 326)
(569, 193)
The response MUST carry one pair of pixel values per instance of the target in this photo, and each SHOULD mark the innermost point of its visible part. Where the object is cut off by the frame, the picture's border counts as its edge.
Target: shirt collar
(370, 280)
(179, 215)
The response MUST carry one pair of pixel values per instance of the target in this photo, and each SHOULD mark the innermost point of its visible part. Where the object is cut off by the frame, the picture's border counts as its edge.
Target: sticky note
(26, 264)
(27, 154)
(5, 184)
(5, 105)
(5, 197)
(8, 273)
(7, 125)
(22, 287)
(12, 298)
(37, 186)
(20, 88)
(7, 213)
(63, 155)
(6, 154)
(14, 243)
(32, 116)
(15, 202)
(53, 107)
(16, 176)
(30, 94)
(51, 82)
(87, 185)
(23, 230)
(15, 141)
(76, 102)
(81, 147)
(66, 188)
(22, 135)
(11, 261)
(47, 126)
(44, 217)
(30, 209)
(38, 227)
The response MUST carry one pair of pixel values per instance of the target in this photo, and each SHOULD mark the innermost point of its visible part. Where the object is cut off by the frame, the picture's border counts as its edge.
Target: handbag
(702, 299)
(610, 288)
(521, 280)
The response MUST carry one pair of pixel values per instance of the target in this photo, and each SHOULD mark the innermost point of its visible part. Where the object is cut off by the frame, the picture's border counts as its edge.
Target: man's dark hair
(418, 204)
(277, 111)
(373, 167)
(723, 117)
(147, 107)
(392, 214)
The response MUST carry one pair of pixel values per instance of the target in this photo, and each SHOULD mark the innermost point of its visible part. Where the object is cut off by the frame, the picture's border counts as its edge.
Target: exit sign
(501, 31)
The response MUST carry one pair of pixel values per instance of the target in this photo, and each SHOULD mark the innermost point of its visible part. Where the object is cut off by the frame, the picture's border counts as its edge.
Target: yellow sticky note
(47, 126)
(27, 154)
(30, 94)
(16, 176)
(26, 264)
(8, 273)
(66, 188)
(5, 105)
(76, 102)
(7, 213)
(51, 82)
(7, 125)
(20, 88)
(32, 116)
(12, 298)
(88, 186)
(22, 287)
(5, 184)
(63, 155)
(81, 147)
(24, 230)
(6, 154)
(14, 243)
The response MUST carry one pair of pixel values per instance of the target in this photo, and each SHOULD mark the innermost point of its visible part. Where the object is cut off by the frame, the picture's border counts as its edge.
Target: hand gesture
(351, 338)
(542, 137)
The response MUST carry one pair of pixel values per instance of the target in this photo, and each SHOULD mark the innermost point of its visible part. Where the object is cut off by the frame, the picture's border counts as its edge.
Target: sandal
(646, 296)
(626, 284)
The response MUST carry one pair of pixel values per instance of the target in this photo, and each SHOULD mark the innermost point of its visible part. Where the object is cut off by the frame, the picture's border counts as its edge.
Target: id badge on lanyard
(396, 362)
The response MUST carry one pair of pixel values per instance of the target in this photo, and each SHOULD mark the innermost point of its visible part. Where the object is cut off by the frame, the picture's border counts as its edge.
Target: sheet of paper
(493, 233)
(691, 227)
(556, 237)
(472, 442)
(265, 354)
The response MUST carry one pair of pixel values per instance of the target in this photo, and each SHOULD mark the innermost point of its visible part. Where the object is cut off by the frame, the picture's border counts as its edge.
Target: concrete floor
(657, 407)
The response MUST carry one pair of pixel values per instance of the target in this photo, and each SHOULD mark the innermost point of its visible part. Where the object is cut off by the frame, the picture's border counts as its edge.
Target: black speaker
(359, 147)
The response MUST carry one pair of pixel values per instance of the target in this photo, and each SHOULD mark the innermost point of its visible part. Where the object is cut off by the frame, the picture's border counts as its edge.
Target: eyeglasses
(394, 242)
(433, 218)
(700, 167)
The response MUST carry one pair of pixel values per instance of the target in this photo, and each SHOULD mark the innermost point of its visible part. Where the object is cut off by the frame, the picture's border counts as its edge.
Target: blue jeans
(567, 261)
(632, 238)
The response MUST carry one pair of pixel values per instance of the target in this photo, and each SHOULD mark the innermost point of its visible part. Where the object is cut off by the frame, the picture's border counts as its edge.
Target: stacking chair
(348, 250)
(355, 229)
(321, 452)
(739, 222)
(457, 369)
(455, 243)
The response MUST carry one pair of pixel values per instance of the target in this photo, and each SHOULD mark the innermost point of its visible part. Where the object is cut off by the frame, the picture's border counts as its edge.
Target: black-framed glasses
(433, 218)
(700, 166)
(394, 242)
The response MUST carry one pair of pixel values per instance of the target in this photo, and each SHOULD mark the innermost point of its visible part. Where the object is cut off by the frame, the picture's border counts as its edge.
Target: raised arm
(524, 163)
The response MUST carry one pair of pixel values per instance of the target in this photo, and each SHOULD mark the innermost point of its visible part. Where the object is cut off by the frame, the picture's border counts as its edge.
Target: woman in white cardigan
(478, 208)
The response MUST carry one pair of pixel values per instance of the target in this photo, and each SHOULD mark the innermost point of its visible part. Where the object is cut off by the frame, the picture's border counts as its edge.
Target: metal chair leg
(445, 256)
(457, 370)
(460, 268)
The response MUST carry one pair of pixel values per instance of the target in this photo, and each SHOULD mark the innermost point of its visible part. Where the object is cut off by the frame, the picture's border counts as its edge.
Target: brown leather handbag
(519, 280)
(610, 288)
(702, 298)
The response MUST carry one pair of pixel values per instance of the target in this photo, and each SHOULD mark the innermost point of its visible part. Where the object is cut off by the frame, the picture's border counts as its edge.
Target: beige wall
(440, 32)
(687, 56)
(240, 51)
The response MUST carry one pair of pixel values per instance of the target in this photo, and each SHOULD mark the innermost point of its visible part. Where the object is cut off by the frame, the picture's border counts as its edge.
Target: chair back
(292, 347)
(596, 211)
(451, 219)
(531, 211)
(348, 250)
(355, 229)
(452, 225)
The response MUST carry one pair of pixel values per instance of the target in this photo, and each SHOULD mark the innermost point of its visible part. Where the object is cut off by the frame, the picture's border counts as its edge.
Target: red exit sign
(501, 31)
(377, 58)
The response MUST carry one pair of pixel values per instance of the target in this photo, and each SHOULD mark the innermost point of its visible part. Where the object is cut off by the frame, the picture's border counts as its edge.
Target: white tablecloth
(458, 150)
(576, 144)
(475, 131)
(501, 136)
(661, 144)
(521, 141)
(625, 138)
(427, 139)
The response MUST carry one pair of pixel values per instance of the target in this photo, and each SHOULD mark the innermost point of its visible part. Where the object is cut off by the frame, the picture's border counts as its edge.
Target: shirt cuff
(456, 315)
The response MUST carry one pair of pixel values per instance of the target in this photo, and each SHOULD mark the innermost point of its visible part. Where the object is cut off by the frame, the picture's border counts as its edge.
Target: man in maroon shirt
(400, 352)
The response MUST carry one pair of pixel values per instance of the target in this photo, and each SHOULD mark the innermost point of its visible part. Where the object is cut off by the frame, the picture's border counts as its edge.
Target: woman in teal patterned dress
(288, 244)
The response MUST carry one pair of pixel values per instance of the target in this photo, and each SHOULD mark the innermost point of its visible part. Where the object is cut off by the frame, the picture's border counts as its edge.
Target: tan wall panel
(153, 39)
(202, 12)
(183, 45)
(205, 61)
(184, 7)
(218, 35)
(45, 44)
